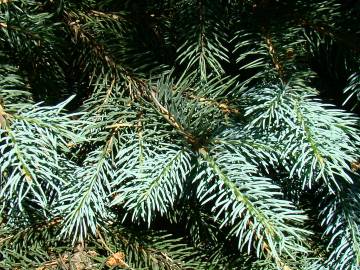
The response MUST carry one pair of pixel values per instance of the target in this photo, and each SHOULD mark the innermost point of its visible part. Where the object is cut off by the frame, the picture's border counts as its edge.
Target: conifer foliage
(190, 134)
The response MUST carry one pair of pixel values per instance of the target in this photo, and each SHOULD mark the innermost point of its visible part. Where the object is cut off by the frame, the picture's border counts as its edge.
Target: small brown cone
(117, 259)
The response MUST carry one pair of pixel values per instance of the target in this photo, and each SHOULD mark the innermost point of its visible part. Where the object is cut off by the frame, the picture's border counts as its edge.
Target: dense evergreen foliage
(190, 134)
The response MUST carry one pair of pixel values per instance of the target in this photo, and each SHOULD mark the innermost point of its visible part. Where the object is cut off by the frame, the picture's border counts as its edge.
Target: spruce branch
(314, 157)
(209, 119)
(232, 193)
(85, 203)
(353, 90)
(342, 225)
(331, 33)
(149, 181)
(31, 143)
(205, 50)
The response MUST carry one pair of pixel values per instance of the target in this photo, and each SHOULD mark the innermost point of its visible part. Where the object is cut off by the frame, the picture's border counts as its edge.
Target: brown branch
(355, 166)
(78, 31)
(223, 106)
(195, 142)
(123, 125)
(137, 87)
(172, 120)
(112, 16)
(134, 84)
(46, 225)
(274, 57)
(108, 93)
(98, 49)
(3, 116)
